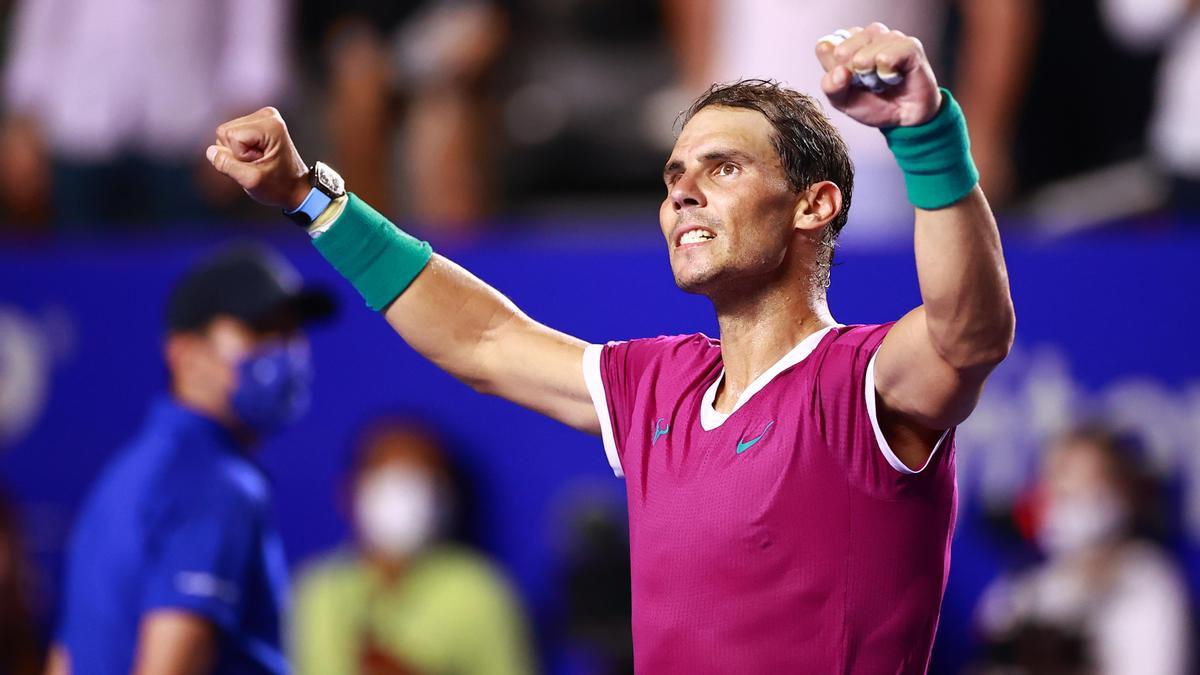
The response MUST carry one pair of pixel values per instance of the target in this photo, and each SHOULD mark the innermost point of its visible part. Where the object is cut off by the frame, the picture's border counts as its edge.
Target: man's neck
(215, 410)
(758, 329)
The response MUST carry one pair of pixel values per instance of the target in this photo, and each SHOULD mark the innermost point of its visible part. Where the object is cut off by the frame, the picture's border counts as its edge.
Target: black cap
(249, 282)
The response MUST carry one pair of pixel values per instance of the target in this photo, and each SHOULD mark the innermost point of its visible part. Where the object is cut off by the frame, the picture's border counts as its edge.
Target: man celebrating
(791, 486)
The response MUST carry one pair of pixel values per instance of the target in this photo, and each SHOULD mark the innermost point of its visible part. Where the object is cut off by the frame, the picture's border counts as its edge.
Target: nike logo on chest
(744, 445)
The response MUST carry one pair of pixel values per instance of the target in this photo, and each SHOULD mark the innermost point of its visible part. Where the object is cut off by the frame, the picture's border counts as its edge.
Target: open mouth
(695, 235)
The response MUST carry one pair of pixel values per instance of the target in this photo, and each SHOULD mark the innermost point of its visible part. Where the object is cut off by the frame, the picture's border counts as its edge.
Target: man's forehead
(744, 129)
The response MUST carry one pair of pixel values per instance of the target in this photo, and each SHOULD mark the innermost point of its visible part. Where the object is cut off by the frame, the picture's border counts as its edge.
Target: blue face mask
(274, 387)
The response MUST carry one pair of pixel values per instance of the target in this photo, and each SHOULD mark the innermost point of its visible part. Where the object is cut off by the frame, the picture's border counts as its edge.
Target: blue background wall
(84, 320)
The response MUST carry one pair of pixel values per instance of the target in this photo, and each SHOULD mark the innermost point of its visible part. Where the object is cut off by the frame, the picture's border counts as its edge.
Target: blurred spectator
(416, 69)
(1174, 26)
(175, 565)
(1106, 599)
(587, 79)
(109, 104)
(400, 600)
(724, 40)
(20, 653)
(596, 585)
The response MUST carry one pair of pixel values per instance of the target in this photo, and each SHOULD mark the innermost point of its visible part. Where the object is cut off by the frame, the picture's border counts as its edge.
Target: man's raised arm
(931, 367)
(444, 312)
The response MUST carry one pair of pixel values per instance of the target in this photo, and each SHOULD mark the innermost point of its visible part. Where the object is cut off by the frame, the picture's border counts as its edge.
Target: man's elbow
(980, 344)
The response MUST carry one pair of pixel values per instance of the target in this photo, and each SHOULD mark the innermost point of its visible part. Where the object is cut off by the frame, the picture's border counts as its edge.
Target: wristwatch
(327, 186)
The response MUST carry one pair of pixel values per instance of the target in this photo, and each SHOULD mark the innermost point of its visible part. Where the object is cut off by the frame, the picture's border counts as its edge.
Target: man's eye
(728, 169)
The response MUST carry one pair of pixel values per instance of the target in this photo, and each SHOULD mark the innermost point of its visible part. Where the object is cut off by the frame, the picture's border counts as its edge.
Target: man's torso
(117, 542)
(779, 539)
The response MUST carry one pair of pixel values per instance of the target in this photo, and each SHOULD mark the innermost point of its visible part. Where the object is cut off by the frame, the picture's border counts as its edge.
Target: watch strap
(313, 205)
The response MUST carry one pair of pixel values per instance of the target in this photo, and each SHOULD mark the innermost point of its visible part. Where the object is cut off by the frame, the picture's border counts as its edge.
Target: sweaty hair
(810, 148)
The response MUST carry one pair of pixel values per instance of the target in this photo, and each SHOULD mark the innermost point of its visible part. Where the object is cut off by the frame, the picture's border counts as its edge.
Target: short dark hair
(810, 149)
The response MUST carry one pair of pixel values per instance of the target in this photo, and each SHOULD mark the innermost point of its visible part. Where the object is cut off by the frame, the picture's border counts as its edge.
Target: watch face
(327, 180)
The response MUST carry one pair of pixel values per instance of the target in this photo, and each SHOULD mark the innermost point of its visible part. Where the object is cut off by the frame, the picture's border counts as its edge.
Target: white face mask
(396, 510)
(1073, 524)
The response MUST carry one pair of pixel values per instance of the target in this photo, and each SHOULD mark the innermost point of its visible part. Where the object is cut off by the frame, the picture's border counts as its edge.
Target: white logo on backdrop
(29, 346)
(1033, 397)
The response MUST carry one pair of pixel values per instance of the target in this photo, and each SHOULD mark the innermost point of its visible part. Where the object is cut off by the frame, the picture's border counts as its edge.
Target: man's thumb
(222, 160)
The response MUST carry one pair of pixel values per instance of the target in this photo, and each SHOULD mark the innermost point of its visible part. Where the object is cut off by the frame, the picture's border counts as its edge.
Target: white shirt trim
(711, 418)
(595, 386)
(886, 449)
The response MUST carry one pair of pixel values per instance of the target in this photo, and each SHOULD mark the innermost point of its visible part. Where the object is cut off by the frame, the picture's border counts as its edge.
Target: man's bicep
(543, 370)
(201, 553)
(916, 385)
(174, 642)
(473, 332)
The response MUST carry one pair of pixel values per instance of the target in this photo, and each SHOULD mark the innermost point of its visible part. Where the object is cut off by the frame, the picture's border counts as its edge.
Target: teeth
(694, 237)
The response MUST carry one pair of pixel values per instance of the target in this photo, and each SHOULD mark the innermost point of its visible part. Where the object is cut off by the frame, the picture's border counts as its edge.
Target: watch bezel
(324, 178)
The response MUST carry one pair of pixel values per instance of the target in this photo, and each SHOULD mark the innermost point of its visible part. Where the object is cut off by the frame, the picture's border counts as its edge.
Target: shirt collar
(168, 412)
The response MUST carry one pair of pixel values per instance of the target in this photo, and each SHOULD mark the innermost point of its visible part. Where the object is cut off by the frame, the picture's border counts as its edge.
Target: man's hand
(891, 55)
(257, 152)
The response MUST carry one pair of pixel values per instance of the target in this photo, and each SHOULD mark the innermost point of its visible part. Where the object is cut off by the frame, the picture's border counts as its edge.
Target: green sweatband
(935, 157)
(376, 257)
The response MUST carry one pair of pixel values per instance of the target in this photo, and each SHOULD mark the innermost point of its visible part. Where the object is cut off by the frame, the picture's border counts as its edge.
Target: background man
(789, 511)
(176, 566)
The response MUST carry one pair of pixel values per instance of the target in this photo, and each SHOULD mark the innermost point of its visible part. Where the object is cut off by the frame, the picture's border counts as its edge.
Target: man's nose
(686, 193)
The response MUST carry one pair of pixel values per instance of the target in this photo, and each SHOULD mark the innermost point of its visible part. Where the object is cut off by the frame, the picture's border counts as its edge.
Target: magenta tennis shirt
(784, 537)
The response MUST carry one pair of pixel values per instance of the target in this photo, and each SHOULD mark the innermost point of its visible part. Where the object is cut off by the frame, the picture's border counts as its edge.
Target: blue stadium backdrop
(1106, 327)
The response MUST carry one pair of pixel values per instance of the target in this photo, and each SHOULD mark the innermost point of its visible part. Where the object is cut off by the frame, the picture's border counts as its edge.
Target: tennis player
(791, 485)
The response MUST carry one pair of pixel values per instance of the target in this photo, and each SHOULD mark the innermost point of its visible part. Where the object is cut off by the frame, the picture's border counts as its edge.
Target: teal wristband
(935, 157)
(378, 258)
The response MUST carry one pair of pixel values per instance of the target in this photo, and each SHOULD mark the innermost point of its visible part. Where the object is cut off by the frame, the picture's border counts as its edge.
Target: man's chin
(696, 284)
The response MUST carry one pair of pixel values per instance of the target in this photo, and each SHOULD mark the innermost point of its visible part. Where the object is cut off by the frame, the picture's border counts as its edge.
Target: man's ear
(176, 349)
(817, 206)
(184, 352)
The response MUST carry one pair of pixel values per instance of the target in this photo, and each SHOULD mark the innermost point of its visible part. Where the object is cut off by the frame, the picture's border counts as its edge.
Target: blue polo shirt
(179, 520)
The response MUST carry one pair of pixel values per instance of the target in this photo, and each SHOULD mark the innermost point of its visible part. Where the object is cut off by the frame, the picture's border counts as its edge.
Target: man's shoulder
(668, 347)
(851, 343)
(211, 480)
(858, 336)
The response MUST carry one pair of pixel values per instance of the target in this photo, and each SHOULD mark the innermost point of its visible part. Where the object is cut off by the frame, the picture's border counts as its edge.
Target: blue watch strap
(312, 206)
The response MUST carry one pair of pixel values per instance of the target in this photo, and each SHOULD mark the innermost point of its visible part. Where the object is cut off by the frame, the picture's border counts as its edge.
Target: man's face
(208, 363)
(729, 210)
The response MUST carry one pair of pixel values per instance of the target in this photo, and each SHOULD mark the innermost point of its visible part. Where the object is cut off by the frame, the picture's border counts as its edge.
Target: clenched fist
(878, 53)
(257, 152)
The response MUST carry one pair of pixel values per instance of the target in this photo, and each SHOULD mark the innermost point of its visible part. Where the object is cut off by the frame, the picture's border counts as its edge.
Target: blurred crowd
(452, 114)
